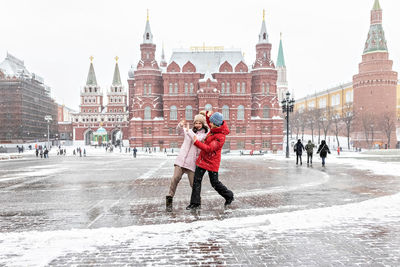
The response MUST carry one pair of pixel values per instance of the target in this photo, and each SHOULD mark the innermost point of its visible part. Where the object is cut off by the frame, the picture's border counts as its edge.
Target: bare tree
(367, 121)
(326, 120)
(302, 119)
(311, 122)
(336, 121)
(387, 125)
(317, 118)
(295, 122)
(348, 118)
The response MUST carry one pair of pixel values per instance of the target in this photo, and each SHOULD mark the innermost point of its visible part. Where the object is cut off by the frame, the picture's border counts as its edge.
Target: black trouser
(298, 156)
(215, 183)
(309, 157)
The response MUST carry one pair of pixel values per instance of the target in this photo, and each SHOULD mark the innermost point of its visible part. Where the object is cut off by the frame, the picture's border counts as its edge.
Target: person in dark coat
(298, 148)
(323, 150)
(310, 150)
(134, 152)
(209, 160)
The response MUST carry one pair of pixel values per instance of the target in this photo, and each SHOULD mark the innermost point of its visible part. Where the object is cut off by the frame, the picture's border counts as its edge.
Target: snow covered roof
(207, 61)
(13, 66)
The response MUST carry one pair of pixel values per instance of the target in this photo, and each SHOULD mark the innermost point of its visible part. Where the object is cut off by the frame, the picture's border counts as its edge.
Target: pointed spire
(163, 63)
(147, 36)
(281, 59)
(376, 41)
(91, 79)
(117, 77)
(263, 36)
(376, 6)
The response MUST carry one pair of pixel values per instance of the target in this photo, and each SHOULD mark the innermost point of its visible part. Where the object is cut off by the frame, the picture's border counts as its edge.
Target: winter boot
(228, 201)
(168, 203)
(193, 207)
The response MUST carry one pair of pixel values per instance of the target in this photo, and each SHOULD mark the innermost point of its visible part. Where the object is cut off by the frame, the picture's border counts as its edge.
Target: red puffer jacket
(210, 155)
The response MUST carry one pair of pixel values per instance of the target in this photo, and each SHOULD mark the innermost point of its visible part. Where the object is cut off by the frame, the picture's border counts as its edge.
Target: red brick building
(374, 88)
(94, 115)
(208, 78)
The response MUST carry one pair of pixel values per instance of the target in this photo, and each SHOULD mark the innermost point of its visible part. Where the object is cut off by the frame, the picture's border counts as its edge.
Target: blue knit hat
(217, 119)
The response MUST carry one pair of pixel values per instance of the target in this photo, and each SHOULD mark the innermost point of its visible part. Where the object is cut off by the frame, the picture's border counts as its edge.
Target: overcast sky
(322, 39)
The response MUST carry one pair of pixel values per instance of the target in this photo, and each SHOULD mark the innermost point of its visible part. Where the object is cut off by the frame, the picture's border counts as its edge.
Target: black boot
(228, 201)
(168, 203)
(193, 207)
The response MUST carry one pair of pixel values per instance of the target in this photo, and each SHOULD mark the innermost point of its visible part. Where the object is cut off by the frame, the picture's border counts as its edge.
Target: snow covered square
(108, 209)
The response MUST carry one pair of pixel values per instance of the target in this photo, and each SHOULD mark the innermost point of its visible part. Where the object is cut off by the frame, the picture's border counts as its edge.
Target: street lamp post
(287, 107)
(48, 118)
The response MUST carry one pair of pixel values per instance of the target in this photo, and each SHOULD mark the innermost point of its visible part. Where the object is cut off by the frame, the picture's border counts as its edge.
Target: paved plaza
(108, 209)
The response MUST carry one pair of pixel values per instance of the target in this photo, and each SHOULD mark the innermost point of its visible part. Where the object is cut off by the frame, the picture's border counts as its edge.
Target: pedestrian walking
(80, 152)
(210, 159)
(323, 150)
(310, 150)
(84, 152)
(37, 152)
(185, 163)
(134, 152)
(338, 150)
(298, 148)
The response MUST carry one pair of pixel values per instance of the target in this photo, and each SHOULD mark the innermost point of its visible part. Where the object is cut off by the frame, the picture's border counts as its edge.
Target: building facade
(65, 129)
(24, 102)
(205, 78)
(95, 119)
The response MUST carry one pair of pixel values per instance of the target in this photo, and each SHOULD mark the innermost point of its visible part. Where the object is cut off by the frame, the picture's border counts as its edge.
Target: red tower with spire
(375, 89)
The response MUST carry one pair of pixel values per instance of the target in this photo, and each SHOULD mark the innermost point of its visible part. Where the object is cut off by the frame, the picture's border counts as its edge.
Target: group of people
(43, 152)
(200, 153)
(322, 150)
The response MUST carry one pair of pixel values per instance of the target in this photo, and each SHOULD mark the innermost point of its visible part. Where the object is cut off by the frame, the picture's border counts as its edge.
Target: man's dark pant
(215, 183)
(298, 156)
(309, 158)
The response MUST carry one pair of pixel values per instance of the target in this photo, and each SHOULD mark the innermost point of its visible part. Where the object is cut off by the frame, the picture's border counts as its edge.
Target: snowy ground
(108, 209)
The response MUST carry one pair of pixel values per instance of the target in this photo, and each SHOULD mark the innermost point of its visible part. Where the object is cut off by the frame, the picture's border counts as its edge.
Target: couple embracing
(200, 152)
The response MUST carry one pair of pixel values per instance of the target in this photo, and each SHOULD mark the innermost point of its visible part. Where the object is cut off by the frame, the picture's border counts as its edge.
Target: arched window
(208, 107)
(176, 88)
(148, 36)
(149, 91)
(191, 88)
(238, 88)
(189, 113)
(186, 88)
(170, 88)
(225, 112)
(222, 88)
(228, 89)
(145, 89)
(147, 113)
(263, 88)
(265, 112)
(173, 113)
(240, 112)
(264, 36)
(267, 88)
(243, 88)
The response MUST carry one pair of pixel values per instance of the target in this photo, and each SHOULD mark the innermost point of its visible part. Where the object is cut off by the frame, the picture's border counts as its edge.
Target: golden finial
(116, 59)
(91, 59)
(264, 14)
(281, 35)
(147, 14)
(243, 54)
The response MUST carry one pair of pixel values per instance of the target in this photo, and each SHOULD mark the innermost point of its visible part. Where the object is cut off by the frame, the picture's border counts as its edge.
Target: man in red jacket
(209, 160)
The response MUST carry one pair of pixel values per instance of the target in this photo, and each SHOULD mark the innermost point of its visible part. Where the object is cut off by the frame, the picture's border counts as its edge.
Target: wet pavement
(109, 209)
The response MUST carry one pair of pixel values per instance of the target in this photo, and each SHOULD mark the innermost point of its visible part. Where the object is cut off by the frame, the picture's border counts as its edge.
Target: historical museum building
(205, 78)
(96, 123)
(25, 101)
(373, 95)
